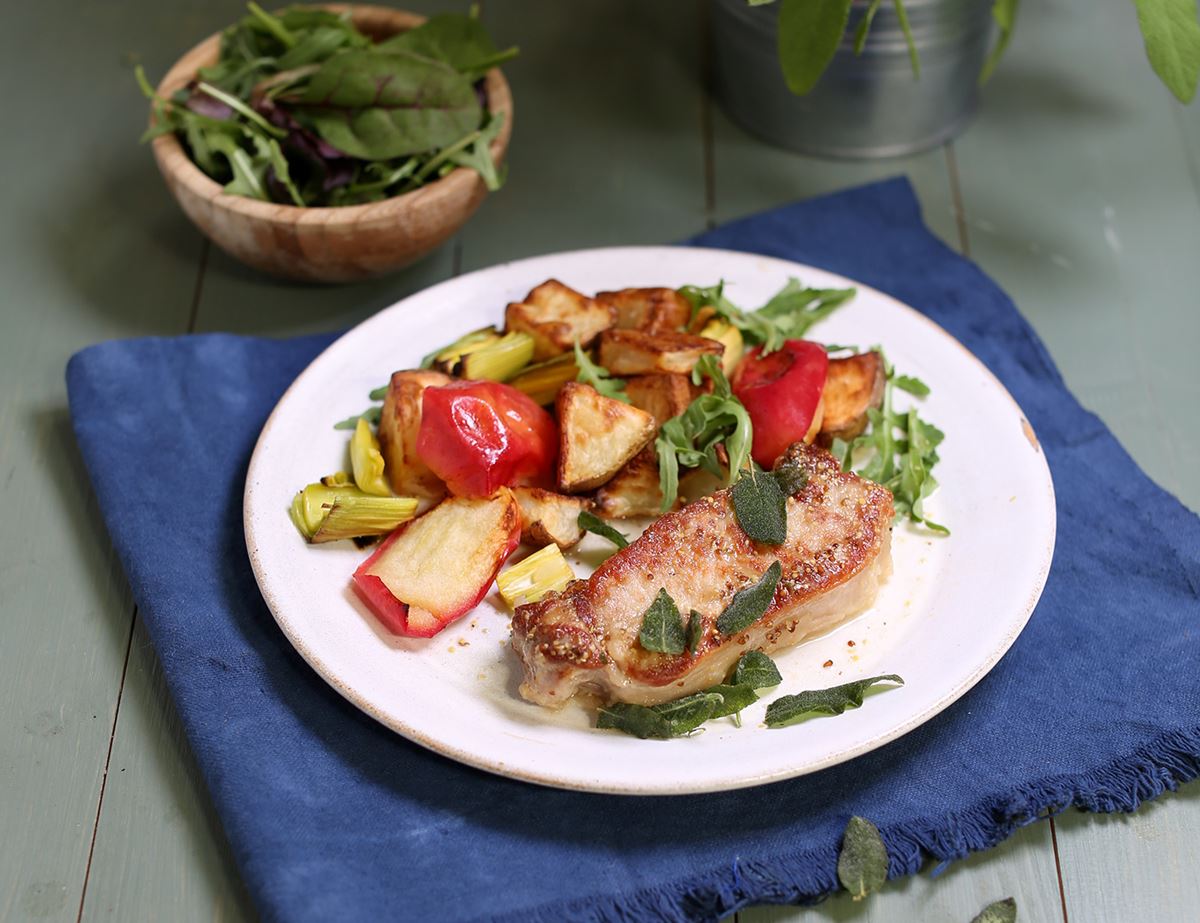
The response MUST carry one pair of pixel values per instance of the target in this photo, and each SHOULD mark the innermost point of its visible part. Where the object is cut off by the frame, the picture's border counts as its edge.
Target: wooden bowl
(327, 244)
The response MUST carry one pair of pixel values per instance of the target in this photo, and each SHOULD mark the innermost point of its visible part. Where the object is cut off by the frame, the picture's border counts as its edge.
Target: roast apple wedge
(438, 567)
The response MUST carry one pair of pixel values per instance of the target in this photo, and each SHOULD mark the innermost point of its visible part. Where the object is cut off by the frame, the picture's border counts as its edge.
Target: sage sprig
(1004, 911)
(682, 716)
(662, 628)
(750, 603)
(833, 701)
(863, 861)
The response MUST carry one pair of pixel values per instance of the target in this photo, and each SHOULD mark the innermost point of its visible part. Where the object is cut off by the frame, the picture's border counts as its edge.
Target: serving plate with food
(649, 520)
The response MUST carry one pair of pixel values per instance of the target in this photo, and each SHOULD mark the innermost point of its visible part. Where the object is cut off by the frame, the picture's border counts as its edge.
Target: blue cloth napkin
(331, 816)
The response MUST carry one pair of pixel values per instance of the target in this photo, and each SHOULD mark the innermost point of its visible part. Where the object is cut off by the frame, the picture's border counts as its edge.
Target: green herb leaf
(911, 385)
(371, 415)
(750, 604)
(378, 394)
(662, 626)
(598, 376)
(1172, 36)
(695, 631)
(637, 720)
(833, 701)
(733, 699)
(760, 507)
(790, 476)
(902, 18)
(1004, 13)
(589, 522)
(690, 440)
(378, 106)
(756, 670)
(477, 155)
(809, 34)
(459, 40)
(897, 450)
(864, 26)
(1000, 911)
(787, 316)
(671, 719)
(1004, 911)
(690, 712)
(863, 862)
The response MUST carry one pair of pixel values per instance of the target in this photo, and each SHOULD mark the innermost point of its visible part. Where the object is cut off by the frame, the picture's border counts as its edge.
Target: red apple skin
(781, 392)
(478, 436)
(393, 613)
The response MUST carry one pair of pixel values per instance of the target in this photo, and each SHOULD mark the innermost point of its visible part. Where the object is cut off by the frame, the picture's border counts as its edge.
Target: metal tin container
(866, 105)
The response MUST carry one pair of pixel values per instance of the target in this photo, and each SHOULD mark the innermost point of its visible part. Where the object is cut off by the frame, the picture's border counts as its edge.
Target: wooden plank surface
(89, 250)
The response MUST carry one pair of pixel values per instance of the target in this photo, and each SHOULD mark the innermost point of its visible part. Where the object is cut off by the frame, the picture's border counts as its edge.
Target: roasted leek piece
(542, 381)
(355, 517)
(366, 460)
(499, 360)
(447, 358)
(312, 506)
(731, 338)
(543, 572)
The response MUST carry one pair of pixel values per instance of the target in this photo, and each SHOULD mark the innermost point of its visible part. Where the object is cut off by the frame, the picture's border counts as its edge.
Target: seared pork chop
(837, 553)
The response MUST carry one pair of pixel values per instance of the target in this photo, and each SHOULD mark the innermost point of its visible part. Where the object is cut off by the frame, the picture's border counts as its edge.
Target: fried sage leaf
(1004, 911)
(756, 670)
(760, 507)
(695, 631)
(863, 862)
(662, 626)
(733, 699)
(748, 605)
(660, 722)
(832, 701)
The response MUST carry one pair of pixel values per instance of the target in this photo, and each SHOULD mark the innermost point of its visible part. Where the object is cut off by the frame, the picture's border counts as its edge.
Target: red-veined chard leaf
(378, 106)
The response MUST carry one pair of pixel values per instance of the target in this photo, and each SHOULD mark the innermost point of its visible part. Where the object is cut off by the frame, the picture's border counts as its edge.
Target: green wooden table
(1077, 189)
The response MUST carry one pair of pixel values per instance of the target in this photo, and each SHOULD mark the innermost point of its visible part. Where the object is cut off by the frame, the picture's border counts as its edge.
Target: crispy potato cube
(549, 517)
(632, 352)
(598, 436)
(651, 310)
(661, 396)
(854, 384)
(555, 315)
(634, 490)
(399, 426)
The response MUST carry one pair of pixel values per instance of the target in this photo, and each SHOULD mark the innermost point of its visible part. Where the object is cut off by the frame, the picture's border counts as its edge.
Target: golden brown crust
(653, 310)
(852, 386)
(838, 524)
(632, 352)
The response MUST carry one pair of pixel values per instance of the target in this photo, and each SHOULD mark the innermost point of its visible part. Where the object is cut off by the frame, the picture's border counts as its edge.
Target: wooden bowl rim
(174, 161)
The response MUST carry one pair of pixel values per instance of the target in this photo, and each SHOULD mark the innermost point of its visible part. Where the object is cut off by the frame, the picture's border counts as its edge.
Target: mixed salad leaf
(303, 109)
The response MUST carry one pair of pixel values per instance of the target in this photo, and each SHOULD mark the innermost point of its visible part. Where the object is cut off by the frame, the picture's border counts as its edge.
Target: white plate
(952, 608)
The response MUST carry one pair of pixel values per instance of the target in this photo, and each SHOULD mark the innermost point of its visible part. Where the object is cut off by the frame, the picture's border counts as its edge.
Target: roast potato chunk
(399, 426)
(598, 435)
(632, 352)
(651, 310)
(634, 490)
(549, 517)
(556, 315)
(661, 396)
(854, 384)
